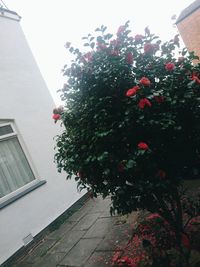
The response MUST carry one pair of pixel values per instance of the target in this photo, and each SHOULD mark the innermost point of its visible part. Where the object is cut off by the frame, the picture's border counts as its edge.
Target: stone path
(87, 239)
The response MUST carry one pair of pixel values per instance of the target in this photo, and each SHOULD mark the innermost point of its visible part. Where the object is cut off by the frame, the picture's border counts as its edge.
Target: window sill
(7, 200)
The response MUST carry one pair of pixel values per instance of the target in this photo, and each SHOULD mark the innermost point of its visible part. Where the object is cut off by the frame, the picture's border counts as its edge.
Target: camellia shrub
(132, 121)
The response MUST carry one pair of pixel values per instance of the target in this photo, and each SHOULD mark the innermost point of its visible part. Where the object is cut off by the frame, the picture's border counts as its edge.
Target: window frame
(21, 191)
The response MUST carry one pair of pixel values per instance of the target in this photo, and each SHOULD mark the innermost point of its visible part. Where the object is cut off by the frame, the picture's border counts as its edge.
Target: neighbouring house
(32, 192)
(188, 24)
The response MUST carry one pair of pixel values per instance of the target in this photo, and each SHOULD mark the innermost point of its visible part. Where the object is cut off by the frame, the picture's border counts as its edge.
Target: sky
(49, 24)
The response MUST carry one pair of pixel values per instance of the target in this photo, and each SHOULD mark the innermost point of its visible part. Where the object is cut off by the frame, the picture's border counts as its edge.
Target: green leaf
(130, 164)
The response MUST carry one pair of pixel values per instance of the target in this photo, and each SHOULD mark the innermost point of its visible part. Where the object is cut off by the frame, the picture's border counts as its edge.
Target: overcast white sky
(49, 24)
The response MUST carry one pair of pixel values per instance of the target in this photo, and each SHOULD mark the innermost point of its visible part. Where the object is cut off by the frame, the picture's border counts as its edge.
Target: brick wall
(189, 29)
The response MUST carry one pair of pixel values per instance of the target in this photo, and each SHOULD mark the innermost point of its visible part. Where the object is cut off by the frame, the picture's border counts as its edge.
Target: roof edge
(10, 14)
(188, 11)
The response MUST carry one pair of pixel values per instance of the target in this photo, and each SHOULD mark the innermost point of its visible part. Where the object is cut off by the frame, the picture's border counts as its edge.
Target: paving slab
(61, 231)
(38, 252)
(116, 238)
(106, 214)
(66, 243)
(22, 264)
(100, 259)
(88, 206)
(49, 260)
(100, 228)
(101, 205)
(80, 213)
(80, 253)
(87, 221)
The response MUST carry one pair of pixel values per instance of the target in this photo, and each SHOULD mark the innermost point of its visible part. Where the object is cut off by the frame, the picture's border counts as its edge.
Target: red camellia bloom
(125, 260)
(144, 102)
(185, 241)
(145, 81)
(169, 66)
(195, 78)
(101, 46)
(115, 42)
(161, 174)
(129, 58)
(138, 38)
(80, 174)
(114, 53)
(88, 56)
(56, 117)
(149, 48)
(159, 99)
(143, 146)
(132, 91)
(121, 167)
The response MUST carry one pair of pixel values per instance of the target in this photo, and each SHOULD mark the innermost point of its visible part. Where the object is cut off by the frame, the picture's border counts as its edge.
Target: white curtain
(15, 171)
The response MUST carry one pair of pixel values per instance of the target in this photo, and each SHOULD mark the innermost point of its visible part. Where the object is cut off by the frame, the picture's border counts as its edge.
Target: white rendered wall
(25, 98)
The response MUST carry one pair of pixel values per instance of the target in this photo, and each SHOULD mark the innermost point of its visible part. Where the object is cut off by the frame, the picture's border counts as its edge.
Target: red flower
(153, 216)
(149, 48)
(145, 81)
(121, 167)
(116, 256)
(101, 46)
(185, 241)
(56, 117)
(159, 99)
(125, 259)
(132, 91)
(143, 146)
(144, 102)
(138, 38)
(161, 174)
(114, 53)
(115, 42)
(80, 174)
(195, 78)
(129, 58)
(169, 66)
(88, 56)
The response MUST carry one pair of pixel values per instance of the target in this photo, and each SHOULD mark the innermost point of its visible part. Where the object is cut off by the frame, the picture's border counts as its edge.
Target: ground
(86, 239)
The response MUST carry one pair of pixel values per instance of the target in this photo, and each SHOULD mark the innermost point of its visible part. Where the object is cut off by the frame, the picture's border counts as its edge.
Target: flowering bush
(153, 244)
(132, 119)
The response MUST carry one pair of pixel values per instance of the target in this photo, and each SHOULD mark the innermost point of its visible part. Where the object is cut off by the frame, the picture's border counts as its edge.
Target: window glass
(6, 129)
(15, 170)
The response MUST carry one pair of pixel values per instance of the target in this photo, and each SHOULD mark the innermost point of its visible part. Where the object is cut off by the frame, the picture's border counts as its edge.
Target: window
(15, 171)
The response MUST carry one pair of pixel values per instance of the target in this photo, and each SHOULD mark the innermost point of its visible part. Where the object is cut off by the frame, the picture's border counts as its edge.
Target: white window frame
(12, 196)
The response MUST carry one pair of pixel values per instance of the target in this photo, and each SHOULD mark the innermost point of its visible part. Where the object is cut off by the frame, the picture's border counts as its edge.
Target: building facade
(32, 192)
(188, 24)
